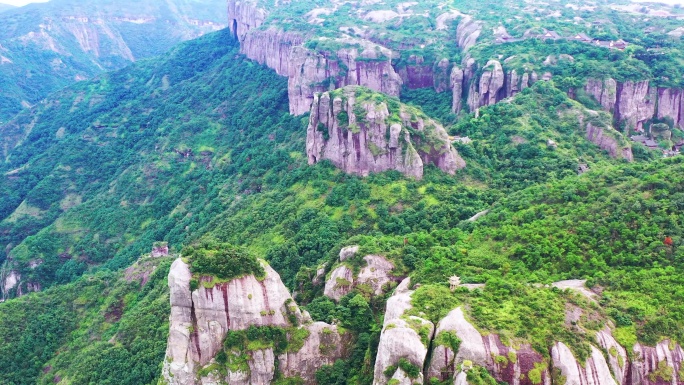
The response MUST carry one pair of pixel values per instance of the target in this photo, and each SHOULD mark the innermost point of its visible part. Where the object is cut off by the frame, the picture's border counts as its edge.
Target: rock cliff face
(400, 340)
(607, 364)
(345, 61)
(505, 363)
(374, 276)
(201, 319)
(633, 103)
(606, 139)
(594, 371)
(358, 62)
(363, 132)
(486, 91)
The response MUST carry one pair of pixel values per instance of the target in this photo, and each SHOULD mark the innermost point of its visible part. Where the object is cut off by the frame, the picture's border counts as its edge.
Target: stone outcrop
(357, 62)
(344, 61)
(375, 134)
(634, 103)
(606, 139)
(200, 320)
(340, 283)
(374, 276)
(456, 82)
(617, 355)
(503, 362)
(324, 345)
(604, 91)
(400, 340)
(657, 365)
(467, 32)
(671, 105)
(486, 91)
(595, 370)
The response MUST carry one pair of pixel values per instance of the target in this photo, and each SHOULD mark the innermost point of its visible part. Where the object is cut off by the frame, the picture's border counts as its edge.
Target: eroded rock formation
(200, 320)
(362, 132)
(375, 275)
(400, 340)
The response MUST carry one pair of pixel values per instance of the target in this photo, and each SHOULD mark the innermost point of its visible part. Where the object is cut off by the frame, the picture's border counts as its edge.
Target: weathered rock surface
(359, 62)
(384, 135)
(671, 105)
(605, 138)
(467, 32)
(356, 62)
(604, 91)
(399, 339)
(200, 319)
(635, 104)
(323, 346)
(486, 91)
(651, 365)
(456, 82)
(503, 362)
(348, 252)
(595, 370)
(617, 355)
(375, 275)
(341, 282)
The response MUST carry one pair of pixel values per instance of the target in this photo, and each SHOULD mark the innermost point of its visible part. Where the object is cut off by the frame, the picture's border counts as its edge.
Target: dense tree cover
(221, 260)
(107, 328)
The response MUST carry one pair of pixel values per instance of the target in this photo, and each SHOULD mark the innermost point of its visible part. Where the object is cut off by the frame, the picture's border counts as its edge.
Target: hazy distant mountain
(46, 46)
(6, 7)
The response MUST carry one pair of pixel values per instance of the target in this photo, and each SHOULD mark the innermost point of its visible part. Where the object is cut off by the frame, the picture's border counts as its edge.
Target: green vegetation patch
(222, 260)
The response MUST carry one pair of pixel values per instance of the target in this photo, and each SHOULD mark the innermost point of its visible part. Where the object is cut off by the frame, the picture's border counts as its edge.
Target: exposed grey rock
(200, 320)
(605, 138)
(323, 346)
(456, 81)
(340, 283)
(604, 91)
(488, 87)
(348, 252)
(635, 104)
(442, 76)
(594, 372)
(617, 355)
(671, 105)
(486, 351)
(371, 143)
(467, 32)
(399, 339)
(312, 72)
(376, 273)
(665, 355)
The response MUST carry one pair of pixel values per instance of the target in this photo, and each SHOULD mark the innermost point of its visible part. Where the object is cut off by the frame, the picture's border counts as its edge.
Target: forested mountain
(398, 194)
(46, 46)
